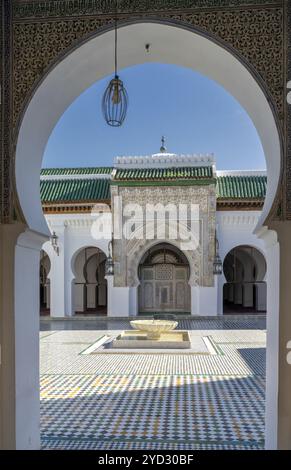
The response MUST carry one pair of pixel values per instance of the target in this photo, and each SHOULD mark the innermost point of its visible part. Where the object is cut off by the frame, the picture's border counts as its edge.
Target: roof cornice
(220, 173)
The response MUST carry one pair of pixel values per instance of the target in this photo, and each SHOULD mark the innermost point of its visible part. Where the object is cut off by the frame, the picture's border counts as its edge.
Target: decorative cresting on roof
(164, 160)
(241, 186)
(74, 190)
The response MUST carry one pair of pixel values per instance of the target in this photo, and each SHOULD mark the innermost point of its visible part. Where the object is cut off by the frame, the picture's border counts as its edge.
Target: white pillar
(194, 300)
(208, 300)
(118, 299)
(26, 292)
(248, 296)
(220, 279)
(133, 301)
(57, 274)
(91, 295)
(102, 294)
(238, 294)
(79, 297)
(261, 296)
(47, 294)
(272, 353)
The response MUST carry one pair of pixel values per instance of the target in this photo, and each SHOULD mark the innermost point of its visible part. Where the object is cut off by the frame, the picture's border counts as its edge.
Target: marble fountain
(152, 334)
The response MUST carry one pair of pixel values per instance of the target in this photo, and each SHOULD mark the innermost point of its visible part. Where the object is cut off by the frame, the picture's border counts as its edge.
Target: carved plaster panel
(129, 249)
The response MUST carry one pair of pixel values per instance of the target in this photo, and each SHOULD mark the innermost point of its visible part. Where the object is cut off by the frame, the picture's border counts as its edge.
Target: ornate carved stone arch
(139, 247)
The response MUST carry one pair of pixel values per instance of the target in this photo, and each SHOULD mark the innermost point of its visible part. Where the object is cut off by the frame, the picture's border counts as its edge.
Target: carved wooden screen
(164, 288)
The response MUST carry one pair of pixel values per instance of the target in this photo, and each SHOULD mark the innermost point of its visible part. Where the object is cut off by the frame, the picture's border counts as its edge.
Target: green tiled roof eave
(162, 174)
(83, 189)
(176, 182)
(74, 190)
(241, 187)
(104, 170)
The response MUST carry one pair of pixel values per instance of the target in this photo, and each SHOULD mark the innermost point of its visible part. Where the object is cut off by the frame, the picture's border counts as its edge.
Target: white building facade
(162, 219)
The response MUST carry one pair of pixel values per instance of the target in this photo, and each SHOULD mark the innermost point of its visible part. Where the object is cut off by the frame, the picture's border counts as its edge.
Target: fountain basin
(154, 328)
(136, 339)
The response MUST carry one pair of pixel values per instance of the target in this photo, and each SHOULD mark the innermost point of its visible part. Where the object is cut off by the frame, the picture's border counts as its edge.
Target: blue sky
(195, 114)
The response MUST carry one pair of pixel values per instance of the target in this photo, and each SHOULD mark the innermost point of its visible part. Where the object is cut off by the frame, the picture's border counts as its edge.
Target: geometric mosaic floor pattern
(144, 401)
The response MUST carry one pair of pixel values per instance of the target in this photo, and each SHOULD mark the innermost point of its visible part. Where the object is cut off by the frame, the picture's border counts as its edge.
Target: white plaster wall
(118, 299)
(235, 228)
(26, 320)
(74, 232)
(272, 247)
(208, 300)
(204, 300)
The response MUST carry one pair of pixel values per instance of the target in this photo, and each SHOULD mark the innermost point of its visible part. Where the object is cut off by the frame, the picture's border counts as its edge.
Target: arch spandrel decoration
(45, 30)
(255, 33)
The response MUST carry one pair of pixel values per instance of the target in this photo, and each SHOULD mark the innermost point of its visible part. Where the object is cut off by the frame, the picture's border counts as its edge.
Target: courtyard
(146, 400)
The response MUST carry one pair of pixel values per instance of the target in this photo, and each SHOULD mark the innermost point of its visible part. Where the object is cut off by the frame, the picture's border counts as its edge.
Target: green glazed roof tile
(73, 190)
(162, 174)
(241, 187)
(88, 189)
(105, 170)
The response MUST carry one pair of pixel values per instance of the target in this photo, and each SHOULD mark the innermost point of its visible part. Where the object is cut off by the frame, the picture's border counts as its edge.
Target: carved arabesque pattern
(44, 31)
(45, 8)
(257, 34)
(287, 176)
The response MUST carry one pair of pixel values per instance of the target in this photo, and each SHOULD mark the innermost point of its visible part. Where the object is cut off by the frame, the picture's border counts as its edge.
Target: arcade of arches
(245, 290)
(90, 285)
(35, 77)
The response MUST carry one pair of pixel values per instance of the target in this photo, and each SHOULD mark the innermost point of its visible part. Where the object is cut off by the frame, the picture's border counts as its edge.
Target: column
(238, 294)
(220, 284)
(278, 433)
(133, 301)
(261, 296)
(208, 300)
(272, 353)
(118, 299)
(194, 300)
(19, 335)
(57, 274)
(248, 297)
(91, 295)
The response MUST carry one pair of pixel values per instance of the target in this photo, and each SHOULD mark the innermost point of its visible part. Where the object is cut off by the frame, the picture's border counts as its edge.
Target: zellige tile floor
(153, 401)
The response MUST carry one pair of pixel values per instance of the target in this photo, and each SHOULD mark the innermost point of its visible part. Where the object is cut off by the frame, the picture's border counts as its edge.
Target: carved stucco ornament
(39, 33)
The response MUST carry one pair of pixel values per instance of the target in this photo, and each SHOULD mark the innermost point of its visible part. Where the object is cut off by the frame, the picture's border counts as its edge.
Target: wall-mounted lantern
(217, 263)
(109, 265)
(54, 243)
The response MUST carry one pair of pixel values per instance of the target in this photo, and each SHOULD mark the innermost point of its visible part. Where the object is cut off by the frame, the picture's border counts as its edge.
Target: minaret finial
(163, 148)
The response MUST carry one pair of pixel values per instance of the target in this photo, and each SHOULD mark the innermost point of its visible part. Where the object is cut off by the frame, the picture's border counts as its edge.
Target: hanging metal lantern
(54, 242)
(114, 103)
(109, 264)
(217, 263)
(115, 98)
